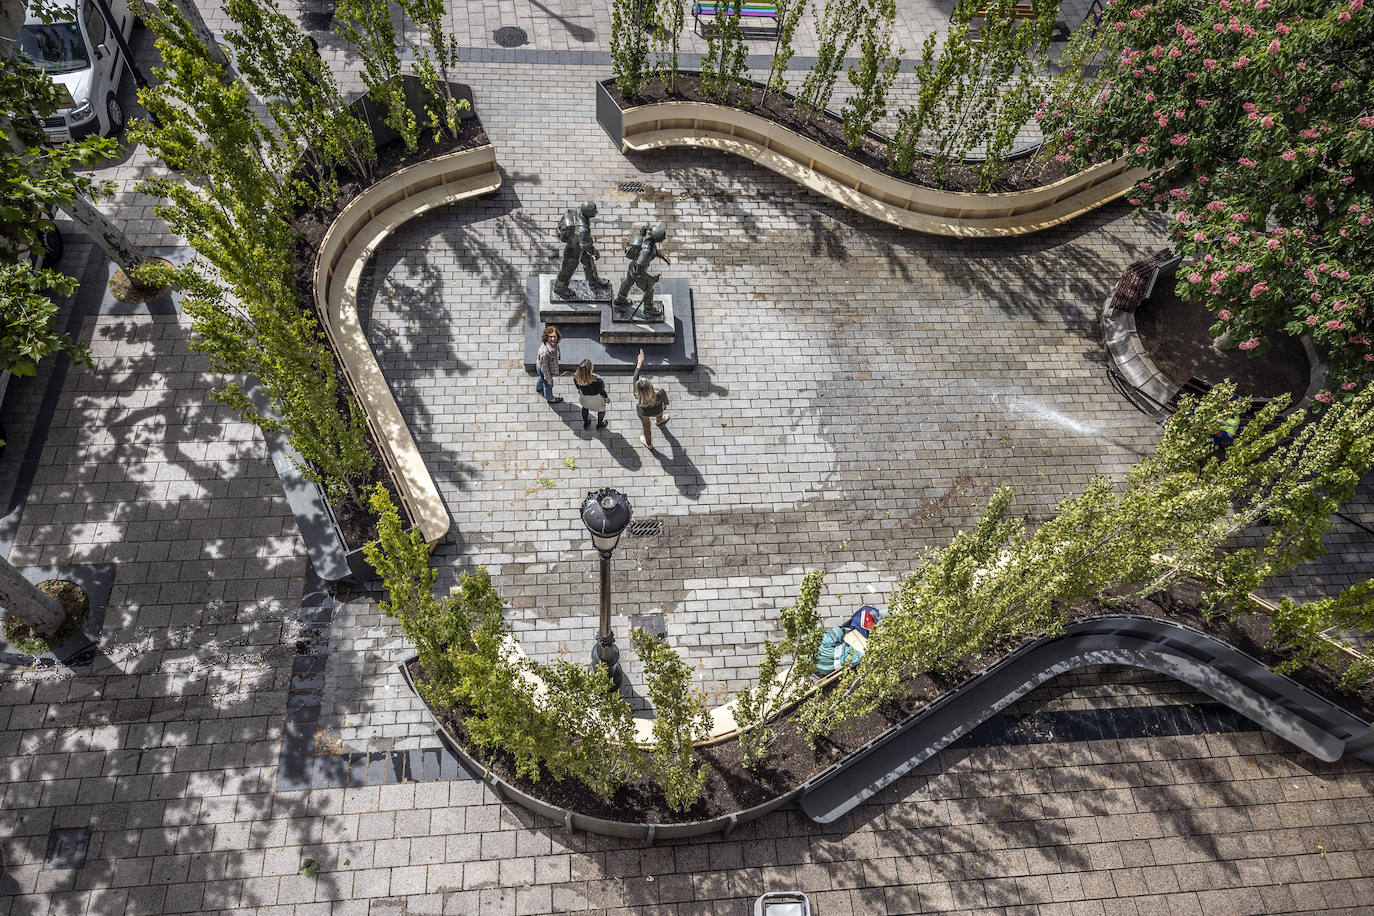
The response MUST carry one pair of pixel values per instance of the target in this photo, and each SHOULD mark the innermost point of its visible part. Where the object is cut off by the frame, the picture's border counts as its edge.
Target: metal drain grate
(646, 528)
(656, 626)
(631, 187)
(509, 36)
(67, 848)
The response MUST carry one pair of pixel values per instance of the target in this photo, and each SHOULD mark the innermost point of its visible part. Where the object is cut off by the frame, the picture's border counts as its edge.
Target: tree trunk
(1220, 341)
(188, 9)
(105, 233)
(21, 598)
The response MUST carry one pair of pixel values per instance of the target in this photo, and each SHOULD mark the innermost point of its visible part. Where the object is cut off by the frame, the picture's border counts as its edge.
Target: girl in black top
(591, 391)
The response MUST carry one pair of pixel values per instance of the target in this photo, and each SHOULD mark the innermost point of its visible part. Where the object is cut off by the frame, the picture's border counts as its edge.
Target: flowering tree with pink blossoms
(1256, 120)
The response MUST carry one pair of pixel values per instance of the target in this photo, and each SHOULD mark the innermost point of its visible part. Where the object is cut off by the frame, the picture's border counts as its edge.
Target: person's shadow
(621, 449)
(688, 479)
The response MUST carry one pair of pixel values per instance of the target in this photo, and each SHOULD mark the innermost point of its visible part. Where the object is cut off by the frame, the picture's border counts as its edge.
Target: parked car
(83, 57)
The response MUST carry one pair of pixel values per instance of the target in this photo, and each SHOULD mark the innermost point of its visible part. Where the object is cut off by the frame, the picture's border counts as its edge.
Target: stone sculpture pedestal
(593, 330)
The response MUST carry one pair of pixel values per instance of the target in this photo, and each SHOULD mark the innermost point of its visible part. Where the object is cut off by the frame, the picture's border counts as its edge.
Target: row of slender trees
(1177, 515)
(1254, 120)
(976, 87)
(249, 148)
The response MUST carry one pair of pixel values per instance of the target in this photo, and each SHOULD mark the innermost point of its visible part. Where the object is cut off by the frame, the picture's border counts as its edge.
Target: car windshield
(57, 48)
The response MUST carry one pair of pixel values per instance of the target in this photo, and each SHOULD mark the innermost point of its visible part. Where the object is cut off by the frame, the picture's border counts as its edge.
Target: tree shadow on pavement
(165, 743)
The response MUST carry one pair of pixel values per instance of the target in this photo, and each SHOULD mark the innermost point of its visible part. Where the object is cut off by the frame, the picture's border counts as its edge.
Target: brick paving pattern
(861, 391)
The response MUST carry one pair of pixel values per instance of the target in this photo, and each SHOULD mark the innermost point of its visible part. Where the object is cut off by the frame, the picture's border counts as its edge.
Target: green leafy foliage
(276, 60)
(435, 57)
(723, 64)
(368, 26)
(789, 17)
(681, 717)
(776, 689)
(1178, 515)
(234, 205)
(1300, 631)
(872, 76)
(1256, 123)
(629, 46)
(835, 34)
(36, 177)
(975, 93)
(28, 319)
(669, 18)
(556, 719)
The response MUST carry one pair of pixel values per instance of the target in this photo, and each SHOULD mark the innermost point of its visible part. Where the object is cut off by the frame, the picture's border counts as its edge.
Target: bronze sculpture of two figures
(575, 232)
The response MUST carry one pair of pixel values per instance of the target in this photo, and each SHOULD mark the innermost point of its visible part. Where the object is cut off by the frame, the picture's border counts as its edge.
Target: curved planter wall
(573, 820)
(351, 240)
(1205, 663)
(1137, 370)
(818, 168)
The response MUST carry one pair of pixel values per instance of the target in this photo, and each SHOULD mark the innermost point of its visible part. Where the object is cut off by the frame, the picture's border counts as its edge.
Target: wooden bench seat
(1137, 280)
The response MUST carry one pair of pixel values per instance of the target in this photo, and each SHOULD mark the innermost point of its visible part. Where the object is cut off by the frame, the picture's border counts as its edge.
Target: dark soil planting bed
(731, 789)
(1025, 171)
(1177, 338)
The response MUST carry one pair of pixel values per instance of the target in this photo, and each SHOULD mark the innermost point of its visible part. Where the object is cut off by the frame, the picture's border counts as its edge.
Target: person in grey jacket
(650, 404)
(547, 364)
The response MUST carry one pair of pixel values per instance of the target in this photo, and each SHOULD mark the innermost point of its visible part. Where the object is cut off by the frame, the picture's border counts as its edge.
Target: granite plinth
(556, 310)
(579, 290)
(627, 324)
(669, 344)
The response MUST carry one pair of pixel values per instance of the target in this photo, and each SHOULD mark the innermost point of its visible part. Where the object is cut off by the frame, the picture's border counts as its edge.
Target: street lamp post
(606, 513)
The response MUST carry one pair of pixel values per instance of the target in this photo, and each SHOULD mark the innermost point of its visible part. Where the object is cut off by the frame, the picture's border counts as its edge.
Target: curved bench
(1205, 663)
(705, 125)
(354, 236)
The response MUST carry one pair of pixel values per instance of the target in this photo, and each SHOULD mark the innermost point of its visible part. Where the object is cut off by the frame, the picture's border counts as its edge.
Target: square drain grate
(653, 624)
(646, 528)
(67, 848)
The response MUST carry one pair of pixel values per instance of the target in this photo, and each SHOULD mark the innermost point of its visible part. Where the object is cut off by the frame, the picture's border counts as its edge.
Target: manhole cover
(67, 848)
(631, 187)
(509, 36)
(647, 528)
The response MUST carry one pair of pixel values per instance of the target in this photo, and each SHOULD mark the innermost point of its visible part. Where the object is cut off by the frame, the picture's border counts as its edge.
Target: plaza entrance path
(861, 391)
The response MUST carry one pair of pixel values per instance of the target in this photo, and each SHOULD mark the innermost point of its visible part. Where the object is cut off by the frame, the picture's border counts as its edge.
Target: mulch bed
(1177, 337)
(824, 128)
(358, 524)
(730, 787)
(76, 604)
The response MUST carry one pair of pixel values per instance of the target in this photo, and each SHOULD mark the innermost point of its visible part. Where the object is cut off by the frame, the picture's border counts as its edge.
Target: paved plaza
(861, 391)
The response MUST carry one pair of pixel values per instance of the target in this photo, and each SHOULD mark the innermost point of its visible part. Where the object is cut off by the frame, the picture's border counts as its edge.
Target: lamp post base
(606, 655)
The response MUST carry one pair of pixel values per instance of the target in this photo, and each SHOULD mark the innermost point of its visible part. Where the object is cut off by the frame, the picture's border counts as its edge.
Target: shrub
(575, 726)
(789, 17)
(772, 691)
(1299, 629)
(872, 76)
(629, 46)
(723, 64)
(681, 718)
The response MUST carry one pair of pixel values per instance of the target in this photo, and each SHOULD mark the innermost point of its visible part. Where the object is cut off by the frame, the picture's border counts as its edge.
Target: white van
(81, 56)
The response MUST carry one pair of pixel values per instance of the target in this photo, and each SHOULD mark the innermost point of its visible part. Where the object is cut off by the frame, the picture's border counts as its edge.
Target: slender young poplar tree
(1177, 516)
